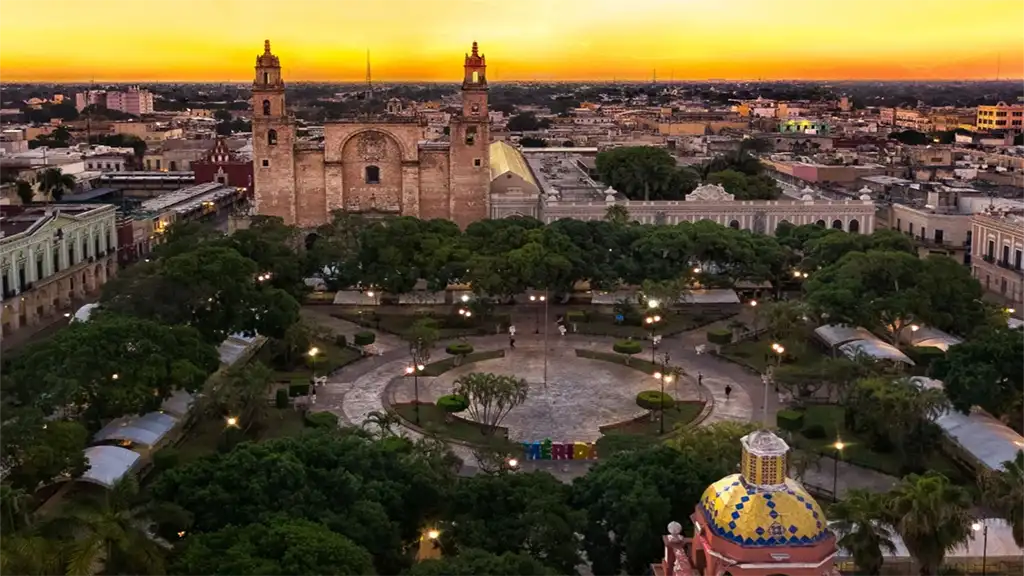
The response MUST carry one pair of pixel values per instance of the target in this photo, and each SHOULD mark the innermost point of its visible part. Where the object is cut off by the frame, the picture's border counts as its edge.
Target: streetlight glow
(1010, 310)
(796, 273)
(976, 526)
(652, 303)
(313, 352)
(512, 463)
(370, 293)
(543, 298)
(914, 327)
(533, 298)
(667, 378)
(657, 375)
(465, 298)
(232, 421)
(696, 270)
(433, 534)
(114, 377)
(753, 302)
(409, 369)
(839, 445)
(420, 367)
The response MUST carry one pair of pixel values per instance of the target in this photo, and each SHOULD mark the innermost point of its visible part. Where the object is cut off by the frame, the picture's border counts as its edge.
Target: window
(474, 109)
(1006, 254)
(1017, 259)
(266, 163)
(837, 224)
(266, 107)
(470, 135)
(158, 164)
(991, 249)
(372, 175)
(88, 166)
(272, 137)
(174, 166)
(476, 76)
(854, 226)
(910, 228)
(899, 224)
(266, 78)
(478, 162)
(938, 237)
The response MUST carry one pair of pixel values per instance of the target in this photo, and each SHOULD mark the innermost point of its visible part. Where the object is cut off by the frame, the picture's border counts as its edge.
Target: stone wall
(274, 169)
(434, 196)
(310, 189)
(470, 172)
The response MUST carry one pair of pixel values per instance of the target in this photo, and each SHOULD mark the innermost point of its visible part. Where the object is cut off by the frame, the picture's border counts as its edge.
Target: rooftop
(505, 158)
(18, 219)
(171, 199)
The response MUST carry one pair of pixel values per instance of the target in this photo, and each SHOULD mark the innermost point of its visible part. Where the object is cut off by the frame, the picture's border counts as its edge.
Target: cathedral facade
(377, 167)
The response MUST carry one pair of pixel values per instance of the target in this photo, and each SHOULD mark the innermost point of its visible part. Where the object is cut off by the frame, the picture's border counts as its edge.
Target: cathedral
(377, 167)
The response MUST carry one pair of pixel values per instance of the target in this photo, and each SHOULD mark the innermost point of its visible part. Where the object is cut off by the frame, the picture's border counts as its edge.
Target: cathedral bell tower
(470, 146)
(272, 141)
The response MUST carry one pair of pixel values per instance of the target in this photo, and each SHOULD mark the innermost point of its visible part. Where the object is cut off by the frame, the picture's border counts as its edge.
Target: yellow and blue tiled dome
(748, 515)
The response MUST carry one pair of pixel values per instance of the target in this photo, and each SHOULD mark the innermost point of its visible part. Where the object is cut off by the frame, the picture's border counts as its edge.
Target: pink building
(132, 101)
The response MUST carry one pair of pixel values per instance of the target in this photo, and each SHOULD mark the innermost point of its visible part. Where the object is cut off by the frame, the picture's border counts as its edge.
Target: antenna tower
(369, 78)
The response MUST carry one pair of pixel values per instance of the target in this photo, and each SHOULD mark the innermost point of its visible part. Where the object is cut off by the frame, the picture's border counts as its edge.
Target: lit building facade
(1002, 116)
(997, 251)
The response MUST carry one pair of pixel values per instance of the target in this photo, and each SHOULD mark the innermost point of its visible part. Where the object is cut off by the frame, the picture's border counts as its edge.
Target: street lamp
(536, 312)
(983, 528)
(464, 298)
(114, 376)
(1010, 310)
(835, 468)
(433, 534)
(914, 327)
(652, 321)
(465, 313)
(780, 350)
(652, 304)
(664, 376)
(512, 463)
(312, 362)
(753, 304)
(414, 371)
(232, 421)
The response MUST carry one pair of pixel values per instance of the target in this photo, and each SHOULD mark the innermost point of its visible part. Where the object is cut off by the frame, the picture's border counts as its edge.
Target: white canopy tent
(108, 464)
(875, 348)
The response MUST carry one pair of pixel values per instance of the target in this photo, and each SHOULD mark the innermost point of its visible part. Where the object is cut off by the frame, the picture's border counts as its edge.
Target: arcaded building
(383, 166)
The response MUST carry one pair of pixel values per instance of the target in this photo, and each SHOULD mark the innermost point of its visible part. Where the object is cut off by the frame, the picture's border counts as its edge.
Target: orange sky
(217, 40)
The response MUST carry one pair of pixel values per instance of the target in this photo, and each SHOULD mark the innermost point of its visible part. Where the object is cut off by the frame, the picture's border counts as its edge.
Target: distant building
(1002, 116)
(131, 101)
(224, 166)
(514, 189)
(997, 251)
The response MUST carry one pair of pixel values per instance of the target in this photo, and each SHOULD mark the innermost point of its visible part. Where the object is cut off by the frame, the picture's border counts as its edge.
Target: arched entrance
(311, 239)
(735, 224)
(820, 223)
(854, 226)
(837, 224)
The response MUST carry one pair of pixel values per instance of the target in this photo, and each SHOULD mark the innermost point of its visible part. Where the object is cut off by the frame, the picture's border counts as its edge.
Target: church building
(376, 167)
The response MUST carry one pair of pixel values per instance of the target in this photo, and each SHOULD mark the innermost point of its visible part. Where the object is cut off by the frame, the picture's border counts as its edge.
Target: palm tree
(932, 516)
(25, 191)
(31, 554)
(14, 502)
(1003, 491)
(109, 531)
(54, 183)
(385, 423)
(859, 519)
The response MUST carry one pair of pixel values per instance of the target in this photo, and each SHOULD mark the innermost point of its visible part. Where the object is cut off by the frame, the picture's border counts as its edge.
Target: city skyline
(525, 40)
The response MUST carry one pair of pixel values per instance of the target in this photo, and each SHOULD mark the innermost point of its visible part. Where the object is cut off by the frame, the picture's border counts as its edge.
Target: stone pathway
(849, 477)
(316, 315)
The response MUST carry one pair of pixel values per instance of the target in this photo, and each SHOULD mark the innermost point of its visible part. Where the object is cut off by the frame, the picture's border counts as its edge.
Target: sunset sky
(218, 40)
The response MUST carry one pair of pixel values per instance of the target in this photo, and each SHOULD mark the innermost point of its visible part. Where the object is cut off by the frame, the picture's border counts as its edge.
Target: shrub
(720, 336)
(814, 432)
(364, 338)
(341, 341)
(923, 356)
(165, 459)
(577, 316)
(281, 398)
(300, 389)
(459, 348)
(790, 420)
(321, 420)
(453, 403)
(654, 400)
(628, 347)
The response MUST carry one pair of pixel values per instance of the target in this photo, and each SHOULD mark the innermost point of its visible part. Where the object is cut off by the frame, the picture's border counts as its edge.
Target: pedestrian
(512, 330)
(512, 342)
(728, 391)
(700, 378)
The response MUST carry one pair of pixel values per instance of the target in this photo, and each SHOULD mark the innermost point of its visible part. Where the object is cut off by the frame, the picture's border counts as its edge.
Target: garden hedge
(790, 420)
(654, 400)
(321, 420)
(721, 336)
(453, 403)
(577, 316)
(364, 338)
(459, 348)
(627, 347)
(814, 432)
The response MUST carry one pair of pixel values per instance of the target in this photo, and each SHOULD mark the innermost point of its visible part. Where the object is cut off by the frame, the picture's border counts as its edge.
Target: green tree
(526, 122)
(110, 366)
(1003, 491)
(107, 531)
(910, 137)
(531, 142)
(24, 191)
(986, 371)
(644, 173)
(784, 318)
(36, 451)
(860, 523)
(516, 513)
(278, 546)
(272, 245)
(244, 393)
(617, 214)
(54, 183)
(471, 562)
(491, 396)
(422, 336)
(932, 516)
(31, 554)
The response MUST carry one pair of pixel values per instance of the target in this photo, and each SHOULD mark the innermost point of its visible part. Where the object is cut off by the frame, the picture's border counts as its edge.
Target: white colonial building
(51, 256)
(712, 202)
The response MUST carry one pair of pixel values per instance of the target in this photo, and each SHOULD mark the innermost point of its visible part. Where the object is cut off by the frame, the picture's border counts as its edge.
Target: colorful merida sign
(548, 450)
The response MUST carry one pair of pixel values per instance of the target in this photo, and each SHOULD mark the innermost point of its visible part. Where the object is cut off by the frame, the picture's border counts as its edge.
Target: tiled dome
(749, 515)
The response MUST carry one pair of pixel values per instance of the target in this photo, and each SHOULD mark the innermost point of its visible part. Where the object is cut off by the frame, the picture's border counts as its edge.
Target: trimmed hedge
(452, 403)
(654, 400)
(814, 432)
(281, 398)
(790, 420)
(321, 420)
(721, 336)
(459, 348)
(577, 316)
(295, 390)
(627, 347)
(364, 338)
(341, 341)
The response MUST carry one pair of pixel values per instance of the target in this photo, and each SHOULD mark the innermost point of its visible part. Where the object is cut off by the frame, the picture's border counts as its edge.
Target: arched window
(735, 224)
(476, 76)
(470, 135)
(266, 107)
(272, 137)
(837, 224)
(372, 175)
(820, 223)
(266, 78)
(854, 226)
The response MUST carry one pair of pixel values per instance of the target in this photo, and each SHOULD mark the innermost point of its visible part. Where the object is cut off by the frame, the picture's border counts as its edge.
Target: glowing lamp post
(414, 371)
(835, 468)
(983, 528)
(536, 311)
(652, 322)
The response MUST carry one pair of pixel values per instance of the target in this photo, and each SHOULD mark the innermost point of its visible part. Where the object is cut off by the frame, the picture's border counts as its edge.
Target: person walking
(700, 378)
(512, 342)
(728, 391)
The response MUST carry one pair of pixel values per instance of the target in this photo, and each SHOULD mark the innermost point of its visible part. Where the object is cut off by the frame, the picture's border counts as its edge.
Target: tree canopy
(645, 173)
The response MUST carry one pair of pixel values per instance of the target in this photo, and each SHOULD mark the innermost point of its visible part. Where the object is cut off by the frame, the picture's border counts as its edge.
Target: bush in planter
(790, 420)
(814, 432)
(627, 348)
(281, 398)
(460, 350)
(577, 316)
(364, 338)
(654, 400)
(321, 420)
(300, 389)
(720, 336)
(341, 341)
(451, 404)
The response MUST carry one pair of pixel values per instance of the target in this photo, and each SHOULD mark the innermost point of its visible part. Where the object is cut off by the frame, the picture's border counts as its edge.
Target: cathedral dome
(760, 506)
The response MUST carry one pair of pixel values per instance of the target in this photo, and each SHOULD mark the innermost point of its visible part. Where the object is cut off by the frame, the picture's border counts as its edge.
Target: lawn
(672, 323)
(432, 420)
(331, 358)
(442, 366)
(855, 451)
(448, 325)
(681, 414)
(205, 437)
(752, 353)
(636, 362)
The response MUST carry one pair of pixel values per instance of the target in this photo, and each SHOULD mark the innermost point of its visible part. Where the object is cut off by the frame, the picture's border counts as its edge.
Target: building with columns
(373, 166)
(712, 202)
(51, 256)
(997, 254)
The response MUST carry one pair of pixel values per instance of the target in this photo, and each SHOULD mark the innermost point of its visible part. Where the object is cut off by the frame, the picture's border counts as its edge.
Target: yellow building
(1002, 116)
